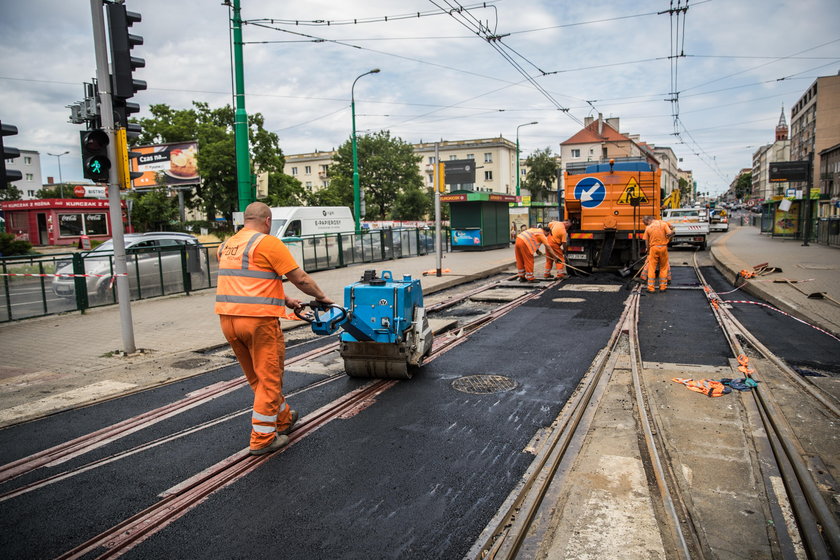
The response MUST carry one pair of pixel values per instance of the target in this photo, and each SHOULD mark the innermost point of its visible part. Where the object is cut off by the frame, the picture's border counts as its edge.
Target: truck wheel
(704, 246)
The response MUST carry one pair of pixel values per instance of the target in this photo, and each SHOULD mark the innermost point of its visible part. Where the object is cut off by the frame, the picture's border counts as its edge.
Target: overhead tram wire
(360, 21)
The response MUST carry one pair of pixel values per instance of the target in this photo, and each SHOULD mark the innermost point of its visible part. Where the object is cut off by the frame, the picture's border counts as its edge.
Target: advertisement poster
(786, 223)
(174, 163)
(466, 237)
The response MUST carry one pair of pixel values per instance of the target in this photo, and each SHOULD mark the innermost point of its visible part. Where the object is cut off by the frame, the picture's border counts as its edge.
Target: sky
(710, 81)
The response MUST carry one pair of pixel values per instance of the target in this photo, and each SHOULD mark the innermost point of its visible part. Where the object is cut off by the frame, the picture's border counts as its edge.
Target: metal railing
(38, 285)
(828, 231)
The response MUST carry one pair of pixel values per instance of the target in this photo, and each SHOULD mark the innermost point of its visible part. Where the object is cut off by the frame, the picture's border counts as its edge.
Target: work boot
(279, 441)
(548, 276)
(531, 280)
(292, 425)
(522, 279)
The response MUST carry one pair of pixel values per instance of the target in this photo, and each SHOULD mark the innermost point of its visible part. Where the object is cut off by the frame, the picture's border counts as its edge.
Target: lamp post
(60, 180)
(517, 154)
(357, 201)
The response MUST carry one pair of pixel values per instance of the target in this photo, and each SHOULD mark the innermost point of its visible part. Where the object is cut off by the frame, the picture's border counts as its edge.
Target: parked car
(154, 266)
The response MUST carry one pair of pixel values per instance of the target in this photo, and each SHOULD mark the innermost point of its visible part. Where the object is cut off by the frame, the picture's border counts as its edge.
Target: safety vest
(245, 289)
(532, 237)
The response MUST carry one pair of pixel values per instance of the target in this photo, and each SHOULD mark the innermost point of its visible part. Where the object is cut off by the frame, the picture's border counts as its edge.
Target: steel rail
(797, 478)
(191, 492)
(99, 438)
(510, 529)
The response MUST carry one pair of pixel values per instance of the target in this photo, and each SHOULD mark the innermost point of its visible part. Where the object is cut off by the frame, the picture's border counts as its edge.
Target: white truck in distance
(690, 226)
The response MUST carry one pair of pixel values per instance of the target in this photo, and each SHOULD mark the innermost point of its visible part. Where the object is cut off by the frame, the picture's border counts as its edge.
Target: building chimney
(600, 124)
(50, 180)
(613, 122)
(587, 121)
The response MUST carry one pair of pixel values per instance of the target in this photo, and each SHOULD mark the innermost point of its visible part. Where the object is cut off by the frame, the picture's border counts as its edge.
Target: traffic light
(95, 161)
(123, 84)
(124, 173)
(8, 175)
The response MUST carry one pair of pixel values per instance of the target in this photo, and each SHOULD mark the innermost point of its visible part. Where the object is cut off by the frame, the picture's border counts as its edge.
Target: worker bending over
(526, 245)
(250, 302)
(557, 240)
(657, 235)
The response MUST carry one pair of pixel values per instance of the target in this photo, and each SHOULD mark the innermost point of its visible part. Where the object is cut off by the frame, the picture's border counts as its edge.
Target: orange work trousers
(550, 263)
(657, 257)
(524, 259)
(261, 350)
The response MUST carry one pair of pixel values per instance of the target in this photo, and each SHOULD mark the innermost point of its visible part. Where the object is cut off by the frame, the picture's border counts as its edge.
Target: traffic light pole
(114, 207)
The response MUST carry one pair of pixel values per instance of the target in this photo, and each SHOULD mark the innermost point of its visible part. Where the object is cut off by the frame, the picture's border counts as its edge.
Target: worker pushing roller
(657, 235)
(557, 240)
(526, 245)
(250, 300)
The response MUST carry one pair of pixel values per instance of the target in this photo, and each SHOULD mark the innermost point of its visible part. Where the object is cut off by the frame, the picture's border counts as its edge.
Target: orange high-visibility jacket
(249, 282)
(657, 233)
(558, 232)
(533, 237)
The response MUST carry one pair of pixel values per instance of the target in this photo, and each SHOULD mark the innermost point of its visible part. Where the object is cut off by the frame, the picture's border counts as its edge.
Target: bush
(9, 246)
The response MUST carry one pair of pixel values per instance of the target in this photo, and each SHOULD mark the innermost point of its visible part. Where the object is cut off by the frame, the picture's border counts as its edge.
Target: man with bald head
(250, 300)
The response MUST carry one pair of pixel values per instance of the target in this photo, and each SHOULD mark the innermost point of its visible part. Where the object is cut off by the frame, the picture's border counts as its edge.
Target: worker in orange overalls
(526, 245)
(657, 235)
(250, 300)
(557, 240)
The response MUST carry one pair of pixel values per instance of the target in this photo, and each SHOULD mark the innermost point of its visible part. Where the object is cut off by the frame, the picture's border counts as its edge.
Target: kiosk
(479, 220)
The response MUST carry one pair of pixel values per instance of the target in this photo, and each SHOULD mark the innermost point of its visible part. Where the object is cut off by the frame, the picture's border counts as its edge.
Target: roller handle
(331, 325)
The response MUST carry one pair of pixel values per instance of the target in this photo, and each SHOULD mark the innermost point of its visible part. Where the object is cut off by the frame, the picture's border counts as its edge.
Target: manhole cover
(191, 363)
(483, 384)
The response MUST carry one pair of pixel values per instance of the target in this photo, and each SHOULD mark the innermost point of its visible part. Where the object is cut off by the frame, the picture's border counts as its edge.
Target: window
(30, 177)
(72, 225)
(294, 170)
(27, 160)
(30, 193)
(523, 172)
(453, 157)
(308, 170)
(488, 175)
(470, 156)
(431, 160)
(324, 169)
(576, 152)
(488, 157)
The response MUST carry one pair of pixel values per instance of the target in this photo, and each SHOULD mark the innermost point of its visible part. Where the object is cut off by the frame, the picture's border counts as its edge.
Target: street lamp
(517, 154)
(60, 180)
(357, 201)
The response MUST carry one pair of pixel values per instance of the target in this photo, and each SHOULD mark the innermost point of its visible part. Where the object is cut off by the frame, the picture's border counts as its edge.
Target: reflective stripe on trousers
(524, 258)
(259, 346)
(658, 257)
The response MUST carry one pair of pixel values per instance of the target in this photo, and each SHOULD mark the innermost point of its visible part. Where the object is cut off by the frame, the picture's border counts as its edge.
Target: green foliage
(387, 167)
(10, 246)
(11, 192)
(542, 173)
(743, 185)
(153, 210)
(213, 129)
(285, 190)
(413, 204)
(54, 192)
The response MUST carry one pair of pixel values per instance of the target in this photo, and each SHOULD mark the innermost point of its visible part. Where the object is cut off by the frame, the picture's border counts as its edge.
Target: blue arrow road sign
(590, 191)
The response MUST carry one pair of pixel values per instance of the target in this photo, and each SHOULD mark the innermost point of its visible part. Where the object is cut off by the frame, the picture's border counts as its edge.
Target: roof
(589, 135)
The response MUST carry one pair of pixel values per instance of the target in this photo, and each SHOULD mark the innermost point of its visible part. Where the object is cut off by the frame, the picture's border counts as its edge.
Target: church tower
(782, 128)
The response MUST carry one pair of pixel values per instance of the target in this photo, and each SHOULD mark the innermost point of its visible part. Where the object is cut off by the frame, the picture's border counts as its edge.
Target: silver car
(155, 267)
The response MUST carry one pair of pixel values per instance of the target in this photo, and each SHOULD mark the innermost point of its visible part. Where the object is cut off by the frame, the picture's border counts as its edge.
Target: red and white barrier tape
(783, 313)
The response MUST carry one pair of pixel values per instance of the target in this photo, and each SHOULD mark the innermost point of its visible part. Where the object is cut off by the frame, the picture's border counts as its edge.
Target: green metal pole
(357, 203)
(517, 164)
(240, 127)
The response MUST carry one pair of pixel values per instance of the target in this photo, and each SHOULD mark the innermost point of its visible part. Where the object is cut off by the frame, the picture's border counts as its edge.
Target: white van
(298, 221)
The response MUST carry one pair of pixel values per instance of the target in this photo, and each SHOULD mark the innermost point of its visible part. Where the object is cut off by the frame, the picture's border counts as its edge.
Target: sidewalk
(60, 361)
(57, 362)
(812, 269)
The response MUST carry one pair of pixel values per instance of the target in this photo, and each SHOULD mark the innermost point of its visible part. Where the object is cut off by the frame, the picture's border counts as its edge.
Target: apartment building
(669, 164)
(29, 165)
(495, 164)
(815, 127)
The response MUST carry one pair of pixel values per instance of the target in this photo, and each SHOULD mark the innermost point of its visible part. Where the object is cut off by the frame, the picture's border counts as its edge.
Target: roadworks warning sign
(632, 190)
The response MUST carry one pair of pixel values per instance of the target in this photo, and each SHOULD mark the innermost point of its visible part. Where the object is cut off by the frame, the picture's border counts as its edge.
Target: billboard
(175, 163)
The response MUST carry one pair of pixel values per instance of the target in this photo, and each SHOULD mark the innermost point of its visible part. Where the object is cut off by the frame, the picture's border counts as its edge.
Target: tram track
(520, 527)
(189, 493)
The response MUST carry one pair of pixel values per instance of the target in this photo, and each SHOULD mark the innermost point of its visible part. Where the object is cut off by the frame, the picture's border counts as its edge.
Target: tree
(413, 204)
(542, 173)
(685, 189)
(387, 167)
(213, 129)
(152, 210)
(743, 185)
(285, 190)
(11, 192)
